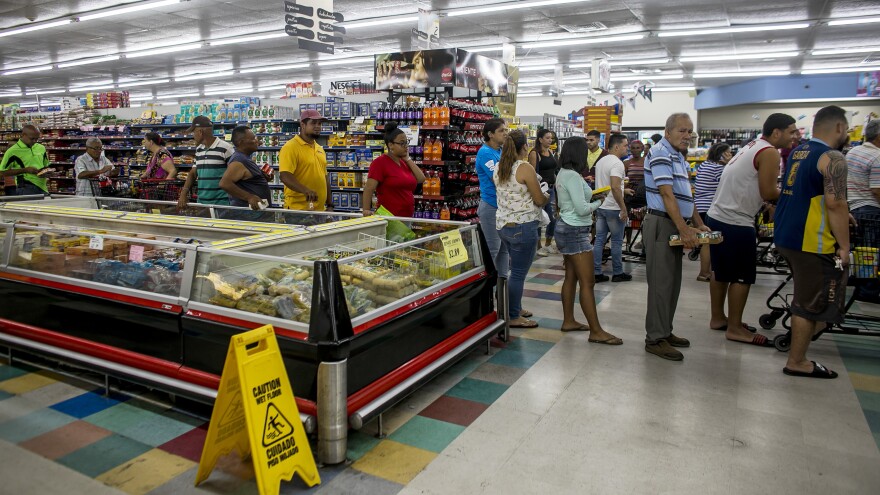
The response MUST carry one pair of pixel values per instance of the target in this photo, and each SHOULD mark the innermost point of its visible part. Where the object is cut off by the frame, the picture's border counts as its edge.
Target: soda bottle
(443, 115)
(418, 115)
(438, 184)
(418, 211)
(438, 149)
(428, 151)
(445, 213)
(435, 211)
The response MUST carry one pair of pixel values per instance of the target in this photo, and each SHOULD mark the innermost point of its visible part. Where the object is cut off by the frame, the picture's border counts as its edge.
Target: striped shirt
(863, 164)
(665, 166)
(211, 164)
(708, 177)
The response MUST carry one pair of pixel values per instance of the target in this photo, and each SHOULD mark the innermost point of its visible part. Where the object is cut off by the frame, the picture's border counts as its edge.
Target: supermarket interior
(218, 216)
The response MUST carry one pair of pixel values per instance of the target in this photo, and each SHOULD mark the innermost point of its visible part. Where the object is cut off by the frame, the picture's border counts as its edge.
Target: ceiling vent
(586, 28)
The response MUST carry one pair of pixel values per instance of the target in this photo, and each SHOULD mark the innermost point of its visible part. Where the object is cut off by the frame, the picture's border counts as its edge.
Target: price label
(96, 242)
(136, 253)
(453, 248)
(227, 137)
(359, 120)
(412, 134)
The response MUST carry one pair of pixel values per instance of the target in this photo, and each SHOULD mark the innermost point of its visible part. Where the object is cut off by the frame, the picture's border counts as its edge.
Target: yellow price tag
(227, 137)
(156, 211)
(453, 248)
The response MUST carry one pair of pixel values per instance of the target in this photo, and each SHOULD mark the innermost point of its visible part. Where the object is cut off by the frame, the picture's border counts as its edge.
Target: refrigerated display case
(122, 288)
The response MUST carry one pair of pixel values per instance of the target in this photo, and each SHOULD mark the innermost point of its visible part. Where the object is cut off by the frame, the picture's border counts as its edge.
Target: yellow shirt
(593, 157)
(308, 164)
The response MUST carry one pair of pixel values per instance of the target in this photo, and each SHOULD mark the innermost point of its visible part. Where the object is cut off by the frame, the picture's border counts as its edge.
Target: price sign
(96, 242)
(454, 250)
(412, 134)
(155, 211)
(136, 253)
(359, 120)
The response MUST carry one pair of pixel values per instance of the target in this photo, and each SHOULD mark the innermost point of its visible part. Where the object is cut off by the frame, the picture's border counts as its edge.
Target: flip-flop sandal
(582, 328)
(757, 339)
(701, 278)
(525, 313)
(747, 327)
(526, 324)
(819, 371)
(609, 341)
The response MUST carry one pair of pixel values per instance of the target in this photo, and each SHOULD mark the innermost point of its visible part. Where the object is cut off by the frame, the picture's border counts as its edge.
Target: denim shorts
(572, 240)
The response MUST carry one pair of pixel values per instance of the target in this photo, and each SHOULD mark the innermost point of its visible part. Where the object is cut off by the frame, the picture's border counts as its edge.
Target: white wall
(741, 116)
(646, 114)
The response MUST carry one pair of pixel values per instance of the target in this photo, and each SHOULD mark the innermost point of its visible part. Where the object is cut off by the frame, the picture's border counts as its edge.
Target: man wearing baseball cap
(212, 153)
(303, 166)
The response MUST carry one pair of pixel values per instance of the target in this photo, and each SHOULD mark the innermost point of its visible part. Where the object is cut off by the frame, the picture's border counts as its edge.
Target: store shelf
(83, 149)
(430, 128)
(344, 169)
(61, 178)
(347, 189)
(437, 163)
(339, 148)
(61, 163)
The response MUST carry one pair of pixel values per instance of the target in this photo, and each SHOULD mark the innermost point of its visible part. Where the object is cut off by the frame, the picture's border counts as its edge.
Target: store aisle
(532, 417)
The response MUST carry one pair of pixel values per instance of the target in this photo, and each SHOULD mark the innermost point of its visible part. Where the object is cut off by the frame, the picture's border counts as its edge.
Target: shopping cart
(768, 255)
(113, 187)
(633, 236)
(160, 189)
(862, 313)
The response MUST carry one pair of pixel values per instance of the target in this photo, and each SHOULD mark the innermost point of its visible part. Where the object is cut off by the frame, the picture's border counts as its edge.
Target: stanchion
(332, 411)
(503, 304)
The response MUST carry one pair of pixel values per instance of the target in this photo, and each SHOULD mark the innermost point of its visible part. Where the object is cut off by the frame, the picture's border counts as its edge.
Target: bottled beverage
(380, 115)
(438, 184)
(435, 211)
(418, 211)
(433, 114)
(428, 151)
(418, 114)
(420, 148)
(437, 153)
(443, 115)
(395, 113)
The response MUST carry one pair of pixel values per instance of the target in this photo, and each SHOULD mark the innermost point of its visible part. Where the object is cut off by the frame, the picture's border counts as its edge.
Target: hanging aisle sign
(313, 24)
(255, 413)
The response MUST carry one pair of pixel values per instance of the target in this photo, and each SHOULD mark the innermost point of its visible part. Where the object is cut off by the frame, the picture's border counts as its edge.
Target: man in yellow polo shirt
(594, 151)
(303, 166)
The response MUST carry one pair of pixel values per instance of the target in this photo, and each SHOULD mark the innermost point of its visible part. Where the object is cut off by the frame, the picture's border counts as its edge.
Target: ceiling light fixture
(346, 61)
(734, 29)
(483, 49)
(36, 68)
(646, 77)
(707, 75)
(161, 50)
(102, 82)
(134, 84)
(229, 90)
(37, 27)
(841, 70)
(272, 88)
(619, 63)
(845, 51)
(535, 68)
(744, 56)
(247, 39)
(181, 95)
(273, 68)
(534, 84)
(87, 61)
(92, 88)
(584, 41)
(47, 92)
(126, 9)
(507, 6)
(663, 89)
(204, 75)
(380, 21)
(854, 20)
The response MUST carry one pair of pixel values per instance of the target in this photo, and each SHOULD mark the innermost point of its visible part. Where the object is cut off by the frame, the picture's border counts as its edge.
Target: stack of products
(111, 99)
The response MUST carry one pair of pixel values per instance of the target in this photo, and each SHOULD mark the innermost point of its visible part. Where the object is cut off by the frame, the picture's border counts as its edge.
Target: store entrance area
(547, 412)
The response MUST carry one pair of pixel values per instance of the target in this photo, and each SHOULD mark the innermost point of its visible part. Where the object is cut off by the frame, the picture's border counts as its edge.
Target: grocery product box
(331, 158)
(343, 200)
(355, 200)
(334, 197)
(335, 109)
(345, 110)
(334, 178)
(363, 110)
(374, 107)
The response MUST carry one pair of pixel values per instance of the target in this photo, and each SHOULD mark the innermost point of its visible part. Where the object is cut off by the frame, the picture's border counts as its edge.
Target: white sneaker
(543, 252)
(552, 249)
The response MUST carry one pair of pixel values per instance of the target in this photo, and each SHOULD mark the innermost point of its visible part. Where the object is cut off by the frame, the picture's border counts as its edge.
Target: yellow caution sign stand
(255, 413)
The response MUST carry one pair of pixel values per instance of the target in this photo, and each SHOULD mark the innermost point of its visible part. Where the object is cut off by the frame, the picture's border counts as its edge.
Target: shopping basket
(160, 189)
(113, 187)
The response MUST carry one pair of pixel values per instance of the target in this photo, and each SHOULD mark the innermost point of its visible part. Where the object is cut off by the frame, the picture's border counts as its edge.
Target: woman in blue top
(494, 134)
(576, 206)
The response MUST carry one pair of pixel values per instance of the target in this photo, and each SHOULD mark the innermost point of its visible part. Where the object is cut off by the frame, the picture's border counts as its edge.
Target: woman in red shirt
(393, 176)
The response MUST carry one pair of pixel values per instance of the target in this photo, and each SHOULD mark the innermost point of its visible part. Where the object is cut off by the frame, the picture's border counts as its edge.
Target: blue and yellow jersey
(801, 220)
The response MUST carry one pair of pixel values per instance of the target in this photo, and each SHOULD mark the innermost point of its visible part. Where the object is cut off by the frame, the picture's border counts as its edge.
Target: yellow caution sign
(255, 413)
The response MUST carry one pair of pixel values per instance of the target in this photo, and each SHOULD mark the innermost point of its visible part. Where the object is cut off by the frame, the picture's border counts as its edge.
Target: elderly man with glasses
(25, 160)
(92, 164)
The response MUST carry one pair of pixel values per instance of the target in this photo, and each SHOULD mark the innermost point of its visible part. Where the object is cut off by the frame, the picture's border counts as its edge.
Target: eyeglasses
(404, 143)
(96, 148)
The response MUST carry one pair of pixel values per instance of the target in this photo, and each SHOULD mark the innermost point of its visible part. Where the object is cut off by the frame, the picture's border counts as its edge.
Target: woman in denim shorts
(576, 206)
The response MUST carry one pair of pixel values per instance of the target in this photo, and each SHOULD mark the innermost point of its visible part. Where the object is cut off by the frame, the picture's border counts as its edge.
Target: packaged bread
(257, 304)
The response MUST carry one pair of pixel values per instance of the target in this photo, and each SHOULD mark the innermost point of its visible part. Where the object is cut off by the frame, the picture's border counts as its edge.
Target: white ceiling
(201, 21)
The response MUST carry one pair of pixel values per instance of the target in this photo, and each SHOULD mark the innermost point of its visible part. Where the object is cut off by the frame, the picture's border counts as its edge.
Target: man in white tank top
(748, 180)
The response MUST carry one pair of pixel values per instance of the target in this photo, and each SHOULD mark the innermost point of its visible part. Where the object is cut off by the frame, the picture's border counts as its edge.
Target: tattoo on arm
(835, 175)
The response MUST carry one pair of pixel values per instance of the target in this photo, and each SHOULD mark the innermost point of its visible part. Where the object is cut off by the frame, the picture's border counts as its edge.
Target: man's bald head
(30, 134)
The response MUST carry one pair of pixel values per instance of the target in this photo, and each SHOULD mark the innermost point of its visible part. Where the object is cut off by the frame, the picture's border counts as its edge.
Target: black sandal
(819, 371)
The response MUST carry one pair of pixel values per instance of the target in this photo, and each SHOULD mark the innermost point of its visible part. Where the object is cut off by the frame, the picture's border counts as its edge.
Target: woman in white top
(520, 198)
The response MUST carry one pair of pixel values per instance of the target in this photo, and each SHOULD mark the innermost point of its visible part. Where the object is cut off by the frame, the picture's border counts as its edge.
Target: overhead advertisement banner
(600, 75)
(313, 24)
(474, 71)
(506, 104)
(428, 31)
(418, 69)
(869, 84)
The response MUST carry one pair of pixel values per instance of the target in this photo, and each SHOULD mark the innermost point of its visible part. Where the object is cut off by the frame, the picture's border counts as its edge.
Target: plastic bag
(396, 231)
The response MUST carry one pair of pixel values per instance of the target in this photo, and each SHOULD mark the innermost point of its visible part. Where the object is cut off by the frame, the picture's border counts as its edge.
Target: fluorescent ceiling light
(534, 84)
(181, 95)
(13, 95)
(48, 92)
(141, 97)
(37, 27)
(707, 75)
(81, 85)
(381, 21)
(584, 41)
(529, 95)
(744, 56)
(247, 39)
(531, 68)
(87, 61)
(204, 75)
(231, 89)
(272, 88)
(482, 49)
(734, 29)
(646, 77)
(143, 83)
(273, 68)
(36, 68)
(92, 88)
(507, 6)
(841, 70)
(663, 89)
(618, 63)
(161, 50)
(844, 51)
(124, 10)
(854, 20)
(346, 61)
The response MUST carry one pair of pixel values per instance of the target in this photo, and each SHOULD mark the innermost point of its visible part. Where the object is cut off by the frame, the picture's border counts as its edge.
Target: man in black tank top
(244, 181)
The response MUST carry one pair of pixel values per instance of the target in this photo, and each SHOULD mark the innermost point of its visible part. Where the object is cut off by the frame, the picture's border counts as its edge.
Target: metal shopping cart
(113, 187)
(862, 310)
(768, 256)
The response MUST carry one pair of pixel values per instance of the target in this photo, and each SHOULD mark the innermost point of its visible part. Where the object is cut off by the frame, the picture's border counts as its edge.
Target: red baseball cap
(311, 115)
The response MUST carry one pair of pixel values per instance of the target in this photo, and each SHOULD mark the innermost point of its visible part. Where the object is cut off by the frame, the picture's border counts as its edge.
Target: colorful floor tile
(66, 439)
(146, 472)
(479, 390)
(33, 425)
(104, 455)
(427, 433)
(394, 461)
(139, 424)
(26, 383)
(88, 404)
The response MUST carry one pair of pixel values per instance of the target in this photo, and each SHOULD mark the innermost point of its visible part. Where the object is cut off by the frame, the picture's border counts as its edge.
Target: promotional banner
(869, 84)
(428, 31)
(474, 71)
(313, 23)
(600, 75)
(506, 104)
(417, 69)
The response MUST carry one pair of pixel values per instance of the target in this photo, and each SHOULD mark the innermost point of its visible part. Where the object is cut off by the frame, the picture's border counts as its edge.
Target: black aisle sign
(312, 22)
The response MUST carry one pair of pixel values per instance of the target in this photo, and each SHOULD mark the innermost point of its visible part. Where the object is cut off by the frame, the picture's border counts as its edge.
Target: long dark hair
(574, 154)
(154, 137)
(514, 144)
(716, 151)
(539, 146)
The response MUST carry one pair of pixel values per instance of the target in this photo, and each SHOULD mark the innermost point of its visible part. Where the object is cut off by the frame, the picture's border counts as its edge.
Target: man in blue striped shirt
(670, 205)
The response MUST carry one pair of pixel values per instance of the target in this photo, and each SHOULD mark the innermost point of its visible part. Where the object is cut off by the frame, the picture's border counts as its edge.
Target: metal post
(503, 304)
(381, 428)
(332, 411)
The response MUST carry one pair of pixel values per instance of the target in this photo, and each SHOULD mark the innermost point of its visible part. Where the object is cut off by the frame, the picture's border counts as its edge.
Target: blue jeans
(608, 221)
(25, 188)
(500, 257)
(550, 208)
(520, 241)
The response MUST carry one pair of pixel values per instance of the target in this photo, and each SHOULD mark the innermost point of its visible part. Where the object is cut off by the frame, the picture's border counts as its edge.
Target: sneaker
(552, 249)
(601, 278)
(543, 252)
(678, 341)
(623, 277)
(664, 350)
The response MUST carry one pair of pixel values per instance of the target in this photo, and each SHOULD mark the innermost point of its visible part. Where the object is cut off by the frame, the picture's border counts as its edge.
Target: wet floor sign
(256, 414)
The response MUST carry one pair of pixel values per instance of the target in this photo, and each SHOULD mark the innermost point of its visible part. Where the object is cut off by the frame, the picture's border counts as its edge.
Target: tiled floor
(545, 413)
